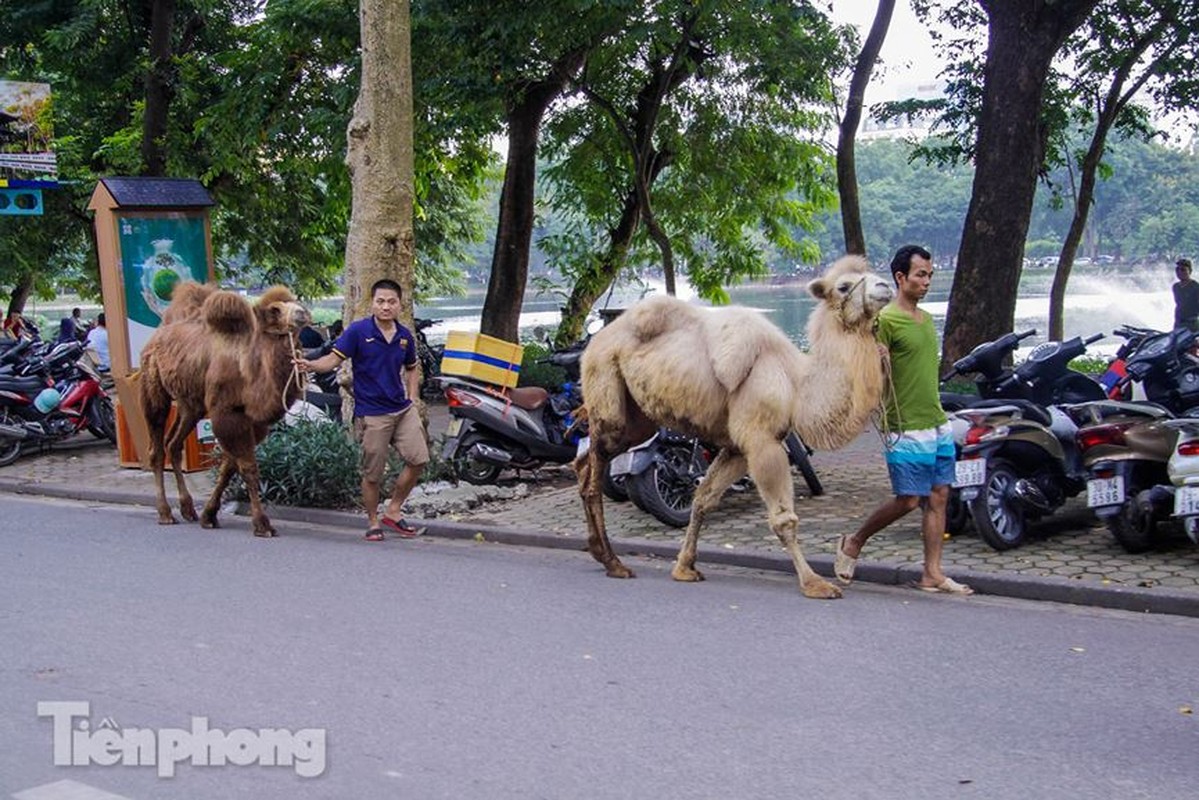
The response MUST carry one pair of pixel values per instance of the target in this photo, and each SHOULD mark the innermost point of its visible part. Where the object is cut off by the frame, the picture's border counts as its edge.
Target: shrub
(532, 373)
(317, 465)
(312, 464)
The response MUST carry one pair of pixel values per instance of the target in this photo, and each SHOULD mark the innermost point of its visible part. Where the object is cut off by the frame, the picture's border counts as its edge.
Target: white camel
(734, 380)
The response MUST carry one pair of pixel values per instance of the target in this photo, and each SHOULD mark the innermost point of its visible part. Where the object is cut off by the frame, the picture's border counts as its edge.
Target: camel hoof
(207, 521)
(820, 590)
(619, 570)
(686, 574)
(188, 512)
(265, 533)
(167, 519)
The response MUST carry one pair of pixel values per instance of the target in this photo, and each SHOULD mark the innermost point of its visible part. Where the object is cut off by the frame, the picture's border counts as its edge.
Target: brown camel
(732, 378)
(216, 355)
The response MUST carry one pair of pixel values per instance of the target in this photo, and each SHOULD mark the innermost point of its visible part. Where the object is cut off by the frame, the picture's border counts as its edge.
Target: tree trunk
(20, 295)
(1024, 35)
(847, 176)
(590, 286)
(380, 159)
(160, 89)
(514, 230)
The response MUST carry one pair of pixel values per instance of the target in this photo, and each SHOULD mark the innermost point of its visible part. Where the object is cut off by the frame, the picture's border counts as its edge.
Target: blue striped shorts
(920, 460)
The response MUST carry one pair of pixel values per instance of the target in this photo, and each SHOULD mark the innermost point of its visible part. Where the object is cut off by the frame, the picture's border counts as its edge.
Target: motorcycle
(522, 428)
(63, 397)
(1129, 451)
(1017, 455)
(660, 474)
(430, 359)
(1183, 471)
(1126, 448)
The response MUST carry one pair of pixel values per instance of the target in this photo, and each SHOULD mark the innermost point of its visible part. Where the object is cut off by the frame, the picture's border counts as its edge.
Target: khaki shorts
(377, 435)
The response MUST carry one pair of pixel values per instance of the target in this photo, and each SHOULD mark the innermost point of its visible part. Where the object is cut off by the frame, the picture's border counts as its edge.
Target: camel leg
(224, 475)
(156, 420)
(185, 421)
(590, 468)
(726, 468)
(771, 472)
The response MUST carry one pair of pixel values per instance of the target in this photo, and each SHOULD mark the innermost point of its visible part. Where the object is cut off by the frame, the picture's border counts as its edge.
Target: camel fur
(215, 355)
(734, 380)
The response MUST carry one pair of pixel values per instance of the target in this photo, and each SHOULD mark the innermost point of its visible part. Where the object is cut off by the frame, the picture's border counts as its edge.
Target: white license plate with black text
(1186, 501)
(1105, 491)
(970, 472)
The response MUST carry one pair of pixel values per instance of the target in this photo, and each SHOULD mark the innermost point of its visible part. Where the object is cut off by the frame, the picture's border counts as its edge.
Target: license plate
(620, 465)
(970, 472)
(454, 428)
(1186, 501)
(583, 446)
(1105, 491)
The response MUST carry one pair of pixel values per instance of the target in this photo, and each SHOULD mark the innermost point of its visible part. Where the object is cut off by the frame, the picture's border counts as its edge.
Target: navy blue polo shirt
(378, 367)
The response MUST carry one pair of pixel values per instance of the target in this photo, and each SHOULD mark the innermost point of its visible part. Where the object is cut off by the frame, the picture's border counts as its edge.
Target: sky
(908, 56)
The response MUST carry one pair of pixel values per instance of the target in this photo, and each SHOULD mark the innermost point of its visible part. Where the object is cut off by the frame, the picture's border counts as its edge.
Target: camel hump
(275, 294)
(186, 301)
(227, 313)
(655, 316)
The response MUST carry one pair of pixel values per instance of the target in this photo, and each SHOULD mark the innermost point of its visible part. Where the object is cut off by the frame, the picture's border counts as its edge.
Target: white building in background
(907, 127)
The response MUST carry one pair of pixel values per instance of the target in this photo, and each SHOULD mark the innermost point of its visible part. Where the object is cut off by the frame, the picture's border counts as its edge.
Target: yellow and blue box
(482, 358)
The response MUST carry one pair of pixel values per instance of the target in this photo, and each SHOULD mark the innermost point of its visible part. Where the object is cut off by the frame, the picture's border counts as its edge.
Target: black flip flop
(374, 535)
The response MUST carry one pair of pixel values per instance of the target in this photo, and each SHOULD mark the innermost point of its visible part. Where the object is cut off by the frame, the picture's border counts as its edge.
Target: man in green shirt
(920, 455)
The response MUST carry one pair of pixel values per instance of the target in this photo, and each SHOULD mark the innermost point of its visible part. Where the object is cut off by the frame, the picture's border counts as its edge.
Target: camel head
(279, 312)
(852, 292)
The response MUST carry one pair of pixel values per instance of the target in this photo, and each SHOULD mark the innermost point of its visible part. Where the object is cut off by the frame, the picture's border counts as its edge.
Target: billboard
(26, 132)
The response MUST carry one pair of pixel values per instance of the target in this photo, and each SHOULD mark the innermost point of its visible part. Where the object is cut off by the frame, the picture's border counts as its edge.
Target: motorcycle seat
(30, 384)
(529, 398)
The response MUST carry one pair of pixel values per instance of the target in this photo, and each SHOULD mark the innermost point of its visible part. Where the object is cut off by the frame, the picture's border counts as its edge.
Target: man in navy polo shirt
(382, 353)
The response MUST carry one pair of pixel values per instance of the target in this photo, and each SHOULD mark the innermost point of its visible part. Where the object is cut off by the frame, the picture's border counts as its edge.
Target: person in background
(919, 441)
(1186, 296)
(14, 325)
(69, 330)
(97, 339)
(383, 358)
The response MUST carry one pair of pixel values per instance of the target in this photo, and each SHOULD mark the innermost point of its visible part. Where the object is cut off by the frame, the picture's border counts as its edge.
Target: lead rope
(300, 378)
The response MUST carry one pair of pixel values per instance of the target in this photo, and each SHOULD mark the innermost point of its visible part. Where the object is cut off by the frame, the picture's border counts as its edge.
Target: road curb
(1159, 600)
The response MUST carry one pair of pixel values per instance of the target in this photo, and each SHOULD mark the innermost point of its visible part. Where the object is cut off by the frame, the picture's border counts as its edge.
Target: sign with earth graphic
(157, 252)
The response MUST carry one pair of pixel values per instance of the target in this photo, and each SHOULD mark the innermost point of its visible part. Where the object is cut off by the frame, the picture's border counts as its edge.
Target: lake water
(1099, 299)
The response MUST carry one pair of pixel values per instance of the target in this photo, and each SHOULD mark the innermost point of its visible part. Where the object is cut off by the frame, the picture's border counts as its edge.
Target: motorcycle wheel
(102, 420)
(999, 517)
(10, 449)
(798, 453)
(471, 469)
(665, 489)
(614, 488)
(957, 514)
(1134, 527)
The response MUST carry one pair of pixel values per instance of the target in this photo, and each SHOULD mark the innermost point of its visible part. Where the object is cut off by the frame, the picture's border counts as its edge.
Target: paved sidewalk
(1071, 558)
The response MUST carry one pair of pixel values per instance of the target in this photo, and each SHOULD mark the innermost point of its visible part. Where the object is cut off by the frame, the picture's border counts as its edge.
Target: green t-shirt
(915, 357)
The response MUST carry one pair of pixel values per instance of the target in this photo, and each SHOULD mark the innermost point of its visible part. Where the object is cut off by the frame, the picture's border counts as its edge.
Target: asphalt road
(438, 669)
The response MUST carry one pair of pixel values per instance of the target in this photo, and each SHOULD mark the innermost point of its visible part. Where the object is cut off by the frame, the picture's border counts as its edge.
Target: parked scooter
(1126, 448)
(1183, 470)
(430, 359)
(660, 474)
(61, 397)
(1017, 456)
(522, 428)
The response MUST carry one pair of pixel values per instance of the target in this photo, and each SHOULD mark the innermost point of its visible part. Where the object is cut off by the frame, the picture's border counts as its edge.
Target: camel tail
(186, 301)
(228, 314)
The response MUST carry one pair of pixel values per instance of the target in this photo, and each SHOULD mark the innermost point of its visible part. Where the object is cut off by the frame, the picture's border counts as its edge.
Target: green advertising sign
(157, 252)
